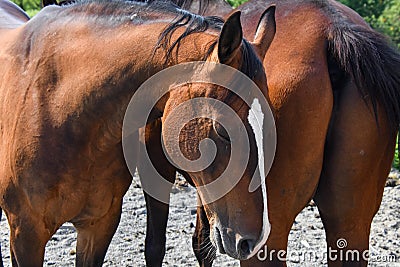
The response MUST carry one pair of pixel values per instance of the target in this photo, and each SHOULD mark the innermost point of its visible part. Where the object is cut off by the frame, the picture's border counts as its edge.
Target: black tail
(371, 62)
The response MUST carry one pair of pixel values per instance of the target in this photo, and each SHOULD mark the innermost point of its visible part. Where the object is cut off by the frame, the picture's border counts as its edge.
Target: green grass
(236, 3)
(32, 12)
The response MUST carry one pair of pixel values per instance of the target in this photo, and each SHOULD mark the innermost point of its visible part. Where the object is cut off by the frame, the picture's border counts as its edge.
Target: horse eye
(220, 130)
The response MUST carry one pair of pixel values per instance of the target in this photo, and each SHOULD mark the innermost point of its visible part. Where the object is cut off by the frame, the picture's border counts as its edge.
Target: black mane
(194, 24)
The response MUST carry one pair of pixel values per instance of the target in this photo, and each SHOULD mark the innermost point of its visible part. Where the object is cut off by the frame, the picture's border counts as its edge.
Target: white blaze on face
(256, 120)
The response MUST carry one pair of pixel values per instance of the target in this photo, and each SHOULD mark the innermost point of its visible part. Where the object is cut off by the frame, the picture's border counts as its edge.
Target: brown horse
(334, 84)
(68, 75)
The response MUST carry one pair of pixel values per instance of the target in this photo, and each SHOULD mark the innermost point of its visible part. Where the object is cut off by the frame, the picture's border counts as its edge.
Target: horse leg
(201, 243)
(157, 217)
(94, 236)
(152, 164)
(101, 212)
(357, 161)
(28, 238)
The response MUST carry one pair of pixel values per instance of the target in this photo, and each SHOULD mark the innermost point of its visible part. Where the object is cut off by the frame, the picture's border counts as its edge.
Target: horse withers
(67, 76)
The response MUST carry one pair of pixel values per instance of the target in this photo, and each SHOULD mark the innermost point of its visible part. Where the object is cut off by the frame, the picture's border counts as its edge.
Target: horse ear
(265, 31)
(230, 38)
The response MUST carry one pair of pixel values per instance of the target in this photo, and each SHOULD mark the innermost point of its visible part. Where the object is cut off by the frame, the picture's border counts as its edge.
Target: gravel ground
(307, 235)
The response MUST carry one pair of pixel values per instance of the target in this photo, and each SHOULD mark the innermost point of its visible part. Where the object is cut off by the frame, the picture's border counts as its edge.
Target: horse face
(212, 128)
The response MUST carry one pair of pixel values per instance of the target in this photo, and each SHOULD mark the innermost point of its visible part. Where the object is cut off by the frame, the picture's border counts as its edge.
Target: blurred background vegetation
(383, 15)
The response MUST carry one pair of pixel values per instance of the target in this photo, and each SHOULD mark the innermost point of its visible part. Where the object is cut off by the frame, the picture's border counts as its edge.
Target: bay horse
(334, 85)
(67, 75)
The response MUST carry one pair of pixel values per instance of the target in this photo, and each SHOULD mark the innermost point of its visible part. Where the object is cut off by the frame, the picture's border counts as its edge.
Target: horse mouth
(218, 239)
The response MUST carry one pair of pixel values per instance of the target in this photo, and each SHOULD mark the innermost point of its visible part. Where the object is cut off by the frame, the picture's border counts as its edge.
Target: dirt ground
(127, 247)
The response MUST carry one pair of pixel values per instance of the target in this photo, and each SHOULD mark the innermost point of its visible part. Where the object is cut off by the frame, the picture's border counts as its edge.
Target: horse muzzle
(233, 244)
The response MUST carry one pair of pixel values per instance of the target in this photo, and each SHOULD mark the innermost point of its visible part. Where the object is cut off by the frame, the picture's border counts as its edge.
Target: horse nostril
(245, 247)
